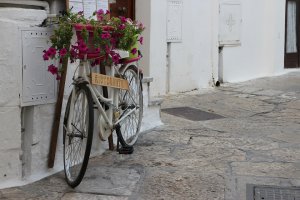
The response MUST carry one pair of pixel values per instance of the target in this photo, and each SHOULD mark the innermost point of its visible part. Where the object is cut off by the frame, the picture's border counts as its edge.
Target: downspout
(214, 41)
(42, 4)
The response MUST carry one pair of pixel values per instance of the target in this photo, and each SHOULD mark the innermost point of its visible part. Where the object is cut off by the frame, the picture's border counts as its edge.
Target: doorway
(292, 45)
(124, 8)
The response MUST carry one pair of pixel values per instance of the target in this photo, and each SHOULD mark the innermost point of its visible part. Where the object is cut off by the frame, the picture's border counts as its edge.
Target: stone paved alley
(257, 142)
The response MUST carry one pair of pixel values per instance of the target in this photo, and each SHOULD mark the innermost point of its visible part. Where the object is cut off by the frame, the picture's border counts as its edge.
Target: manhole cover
(274, 193)
(191, 113)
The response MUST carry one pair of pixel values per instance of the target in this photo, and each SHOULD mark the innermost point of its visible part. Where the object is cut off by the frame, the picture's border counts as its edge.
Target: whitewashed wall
(143, 14)
(193, 62)
(155, 47)
(11, 19)
(261, 52)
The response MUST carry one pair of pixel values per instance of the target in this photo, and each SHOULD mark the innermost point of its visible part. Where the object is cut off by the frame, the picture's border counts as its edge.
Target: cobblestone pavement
(257, 142)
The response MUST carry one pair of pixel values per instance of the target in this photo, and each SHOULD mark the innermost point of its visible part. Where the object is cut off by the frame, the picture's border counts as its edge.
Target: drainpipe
(43, 4)
(214, 40)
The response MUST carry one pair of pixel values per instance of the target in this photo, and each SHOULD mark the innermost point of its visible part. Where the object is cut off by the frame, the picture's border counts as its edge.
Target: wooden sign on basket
(109, 81)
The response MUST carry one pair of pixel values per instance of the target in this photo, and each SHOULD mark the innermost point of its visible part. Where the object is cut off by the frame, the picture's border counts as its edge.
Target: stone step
(155, 101)
(151, 117)
(151, 114)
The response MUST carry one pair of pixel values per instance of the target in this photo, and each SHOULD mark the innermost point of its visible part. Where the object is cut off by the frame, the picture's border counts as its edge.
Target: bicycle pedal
(126, 150)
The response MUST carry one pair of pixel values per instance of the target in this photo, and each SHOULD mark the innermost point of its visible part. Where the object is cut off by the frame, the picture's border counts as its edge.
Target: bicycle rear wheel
(78, 140)
(128, 101)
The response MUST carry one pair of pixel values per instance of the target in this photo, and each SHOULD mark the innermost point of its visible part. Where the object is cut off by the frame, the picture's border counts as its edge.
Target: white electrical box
(174, 21)
(230, 22)
(38, 85)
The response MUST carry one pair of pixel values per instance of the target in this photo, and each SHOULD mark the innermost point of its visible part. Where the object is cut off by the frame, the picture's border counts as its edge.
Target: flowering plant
(100, 36)
(127, 32)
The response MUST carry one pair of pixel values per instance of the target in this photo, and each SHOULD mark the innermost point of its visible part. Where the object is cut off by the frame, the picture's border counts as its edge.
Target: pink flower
(141, 26)
(105, 35)
(117, 35)
(97, 50)
(122, 26)
(63, 52)
(123, 19)
(51, 51)
(52, 69)
(82, 47)
(134, 51)
(74, 46)
(115, 57)
(45, 56)
(100, 17)
(107, 12)
(100, 12)
(107, 49)
(73, 52)
(107, 28)
(49, 54)
(113, 42)
(141, 40)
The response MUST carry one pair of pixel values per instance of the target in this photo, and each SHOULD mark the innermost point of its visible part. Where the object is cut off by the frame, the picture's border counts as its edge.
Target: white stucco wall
(279, 37)
(143, 13)
(194, 61)
(11, 19)
(158, 47)
(261, 52)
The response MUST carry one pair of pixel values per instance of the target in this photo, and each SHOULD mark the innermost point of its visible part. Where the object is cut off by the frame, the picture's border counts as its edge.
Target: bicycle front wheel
(131, 106)
(78, 136)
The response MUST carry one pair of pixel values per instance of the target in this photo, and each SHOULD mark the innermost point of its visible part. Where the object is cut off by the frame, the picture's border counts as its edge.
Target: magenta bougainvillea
(98, 35)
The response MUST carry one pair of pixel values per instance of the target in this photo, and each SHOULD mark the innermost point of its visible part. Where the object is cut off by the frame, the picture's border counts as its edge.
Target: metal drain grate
(274, 193)
(191, 113)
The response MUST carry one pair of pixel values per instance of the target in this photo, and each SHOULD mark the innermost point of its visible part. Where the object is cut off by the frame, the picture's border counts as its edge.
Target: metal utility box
(230, 18)
(174, 21)
(38, 85)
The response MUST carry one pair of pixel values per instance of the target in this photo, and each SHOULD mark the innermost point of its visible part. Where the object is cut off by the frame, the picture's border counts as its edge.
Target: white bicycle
(116, 99)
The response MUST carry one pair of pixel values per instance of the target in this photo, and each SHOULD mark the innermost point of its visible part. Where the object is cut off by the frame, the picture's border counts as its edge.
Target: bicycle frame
(83, 76)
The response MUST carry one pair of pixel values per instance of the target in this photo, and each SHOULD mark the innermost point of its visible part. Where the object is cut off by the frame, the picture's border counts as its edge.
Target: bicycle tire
(75, 163)
(133, 97)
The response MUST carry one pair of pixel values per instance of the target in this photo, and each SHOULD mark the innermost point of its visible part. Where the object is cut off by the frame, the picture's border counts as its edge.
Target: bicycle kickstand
(123, 149)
